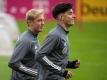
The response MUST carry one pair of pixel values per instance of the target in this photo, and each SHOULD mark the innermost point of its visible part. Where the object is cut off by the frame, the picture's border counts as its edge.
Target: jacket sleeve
(43, 55)
(15, 63)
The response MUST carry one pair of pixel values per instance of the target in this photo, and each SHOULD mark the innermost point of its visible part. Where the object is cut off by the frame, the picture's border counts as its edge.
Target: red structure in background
(18, 8)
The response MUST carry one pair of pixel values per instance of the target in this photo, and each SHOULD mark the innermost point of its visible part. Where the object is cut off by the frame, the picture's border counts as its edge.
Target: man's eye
(39, 20)
(70, 13)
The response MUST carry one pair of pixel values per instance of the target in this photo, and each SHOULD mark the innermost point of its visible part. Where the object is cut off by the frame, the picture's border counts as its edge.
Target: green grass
(4, 70)
(89, 45)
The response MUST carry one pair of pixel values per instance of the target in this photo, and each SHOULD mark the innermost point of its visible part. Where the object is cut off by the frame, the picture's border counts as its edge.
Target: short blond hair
(32, 14)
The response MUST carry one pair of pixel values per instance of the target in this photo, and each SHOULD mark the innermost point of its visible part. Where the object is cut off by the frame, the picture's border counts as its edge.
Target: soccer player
(23, 64)
(54, 52)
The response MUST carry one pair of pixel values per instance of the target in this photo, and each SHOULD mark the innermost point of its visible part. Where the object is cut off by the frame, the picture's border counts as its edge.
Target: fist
(69, 75)
(77, 63)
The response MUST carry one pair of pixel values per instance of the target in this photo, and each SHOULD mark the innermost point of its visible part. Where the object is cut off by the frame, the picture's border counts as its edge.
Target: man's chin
(70, 25)
(40, 30)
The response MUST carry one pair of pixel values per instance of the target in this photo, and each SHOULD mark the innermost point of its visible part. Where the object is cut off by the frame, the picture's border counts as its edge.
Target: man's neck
(63, 26)
(32, 30)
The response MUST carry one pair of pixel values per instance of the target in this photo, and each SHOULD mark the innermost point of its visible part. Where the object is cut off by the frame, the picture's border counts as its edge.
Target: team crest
(65, 48)
(36, 47)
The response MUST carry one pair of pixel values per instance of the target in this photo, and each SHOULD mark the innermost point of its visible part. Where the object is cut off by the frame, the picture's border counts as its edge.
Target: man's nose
(74, 16)
(42, 22)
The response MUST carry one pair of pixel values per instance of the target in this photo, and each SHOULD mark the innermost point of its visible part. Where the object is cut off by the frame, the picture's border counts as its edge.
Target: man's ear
(61, 17)
(30, 23)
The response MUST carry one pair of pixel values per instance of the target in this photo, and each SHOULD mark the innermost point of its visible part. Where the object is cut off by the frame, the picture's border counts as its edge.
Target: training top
(23, 61)
(54, 52)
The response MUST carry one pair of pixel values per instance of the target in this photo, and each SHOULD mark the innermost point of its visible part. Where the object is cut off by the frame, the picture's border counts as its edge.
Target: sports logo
(64, 51)
(36, 47)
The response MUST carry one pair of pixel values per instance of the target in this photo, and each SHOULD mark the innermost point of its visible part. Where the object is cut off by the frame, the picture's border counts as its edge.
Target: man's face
(38, 23)
(69, 17)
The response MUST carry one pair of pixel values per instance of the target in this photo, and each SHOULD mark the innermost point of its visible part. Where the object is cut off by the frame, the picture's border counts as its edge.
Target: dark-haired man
(54, 52)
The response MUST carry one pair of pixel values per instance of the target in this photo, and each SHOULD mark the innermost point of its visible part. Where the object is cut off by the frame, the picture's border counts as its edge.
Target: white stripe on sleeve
(51, 63)
(28, 70)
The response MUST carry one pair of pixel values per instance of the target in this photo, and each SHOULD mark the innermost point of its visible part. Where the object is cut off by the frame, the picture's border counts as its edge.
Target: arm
(18, 54)
(48, 46)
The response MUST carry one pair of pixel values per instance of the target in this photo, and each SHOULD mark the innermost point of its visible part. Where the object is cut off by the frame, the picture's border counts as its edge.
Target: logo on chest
(65, 49)
(36, 47)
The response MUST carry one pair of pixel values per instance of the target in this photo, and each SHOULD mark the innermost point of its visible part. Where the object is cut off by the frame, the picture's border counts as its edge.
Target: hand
(77, 63)
(69, 75)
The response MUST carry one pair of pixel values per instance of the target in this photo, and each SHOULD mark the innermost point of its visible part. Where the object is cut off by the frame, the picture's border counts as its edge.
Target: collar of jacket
(34, 34)
(63, 29)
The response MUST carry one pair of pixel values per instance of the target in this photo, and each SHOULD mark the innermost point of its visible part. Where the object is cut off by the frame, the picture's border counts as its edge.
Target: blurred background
(88, 37)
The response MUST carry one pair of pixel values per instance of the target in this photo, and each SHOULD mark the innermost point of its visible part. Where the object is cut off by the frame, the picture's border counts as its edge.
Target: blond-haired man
(23, 62)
